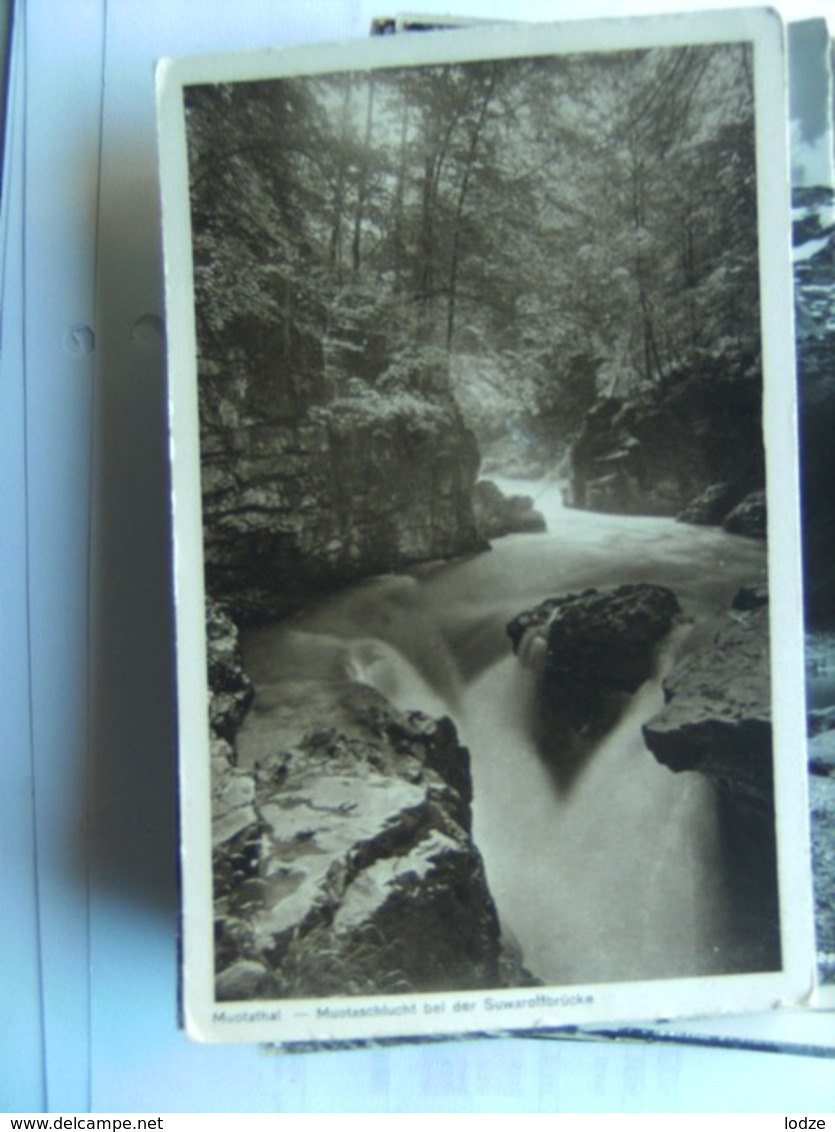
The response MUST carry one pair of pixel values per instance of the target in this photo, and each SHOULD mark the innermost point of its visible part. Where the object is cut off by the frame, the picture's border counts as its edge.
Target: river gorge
(618, 870)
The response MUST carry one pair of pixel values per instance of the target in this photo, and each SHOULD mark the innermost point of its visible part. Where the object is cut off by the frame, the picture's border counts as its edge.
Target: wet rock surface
(749, 517)
(359, 874)
(673, 447)
(497, 514)
(230, 689)
(321, 463)
(592, 646)
(717, 718)
(230, 697)
(724, 505)
(593, 650)
(711, 506)
(717, 721)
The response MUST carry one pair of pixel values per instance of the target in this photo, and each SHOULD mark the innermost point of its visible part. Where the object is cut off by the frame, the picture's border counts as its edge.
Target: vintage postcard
(486, 524)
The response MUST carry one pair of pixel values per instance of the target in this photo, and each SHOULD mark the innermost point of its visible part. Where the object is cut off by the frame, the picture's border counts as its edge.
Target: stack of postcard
(487, 528)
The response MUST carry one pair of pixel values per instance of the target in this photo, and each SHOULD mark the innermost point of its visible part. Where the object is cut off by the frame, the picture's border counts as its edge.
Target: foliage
(585, 224)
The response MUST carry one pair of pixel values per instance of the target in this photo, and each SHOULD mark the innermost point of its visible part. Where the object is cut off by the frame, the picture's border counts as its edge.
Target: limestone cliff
(717, 717)
(717, 721)
(343, 861)
(359, 875)
(311, 479)
(497, 514)
(659, 451)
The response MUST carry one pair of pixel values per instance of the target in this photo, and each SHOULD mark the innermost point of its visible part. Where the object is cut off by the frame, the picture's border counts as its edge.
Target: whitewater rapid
(619, 876)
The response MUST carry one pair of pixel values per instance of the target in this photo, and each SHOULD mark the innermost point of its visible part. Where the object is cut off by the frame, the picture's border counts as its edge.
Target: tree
(561, 212)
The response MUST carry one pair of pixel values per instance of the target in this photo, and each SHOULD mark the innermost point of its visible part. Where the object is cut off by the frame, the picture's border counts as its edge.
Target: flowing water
(617, 874)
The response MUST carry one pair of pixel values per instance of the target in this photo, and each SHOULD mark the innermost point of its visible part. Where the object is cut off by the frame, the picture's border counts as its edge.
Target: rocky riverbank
(344, 862)
(296, 508)
(717, 716)
(593, 650)
(497, 514)
(691, 446)
(717, 721)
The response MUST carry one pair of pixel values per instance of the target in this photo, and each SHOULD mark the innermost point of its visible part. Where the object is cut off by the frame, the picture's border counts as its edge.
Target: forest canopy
(555, 228)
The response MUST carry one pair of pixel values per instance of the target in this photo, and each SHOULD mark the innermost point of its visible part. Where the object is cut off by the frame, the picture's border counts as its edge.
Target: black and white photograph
(813, 239)
(486, 530)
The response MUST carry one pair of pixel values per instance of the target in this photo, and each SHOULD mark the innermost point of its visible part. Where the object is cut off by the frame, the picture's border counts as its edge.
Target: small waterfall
(619, 878)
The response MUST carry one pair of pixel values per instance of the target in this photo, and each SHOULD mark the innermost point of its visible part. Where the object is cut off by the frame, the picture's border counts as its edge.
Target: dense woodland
(555, 228)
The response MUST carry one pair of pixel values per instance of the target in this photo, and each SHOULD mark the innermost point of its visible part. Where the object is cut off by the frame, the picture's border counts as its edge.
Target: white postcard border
(546, 1007)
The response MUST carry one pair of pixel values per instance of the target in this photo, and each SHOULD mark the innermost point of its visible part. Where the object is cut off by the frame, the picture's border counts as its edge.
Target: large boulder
(749, 517)
(717, 722)
(497, 514)
(592, 649)
(230, 688)
(711, 506)
(360, 875)
(717, 716)
(659, 450)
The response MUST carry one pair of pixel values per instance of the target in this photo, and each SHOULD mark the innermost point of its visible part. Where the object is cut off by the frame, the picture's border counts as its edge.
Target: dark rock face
(750, 597)
(593, 648)
(717, 721)
(749, 517)
(497, 514)
(230, 697)
(229, 686)
(717, 717)
(295, 509)
(721, 505)
(711, 507)
(320, 465)
(660, 451)
(358, 874)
